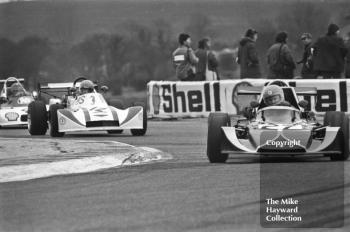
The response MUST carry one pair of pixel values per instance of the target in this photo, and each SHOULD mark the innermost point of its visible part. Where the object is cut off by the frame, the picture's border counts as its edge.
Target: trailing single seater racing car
(278, 130)
(14, 100)
(70, 110)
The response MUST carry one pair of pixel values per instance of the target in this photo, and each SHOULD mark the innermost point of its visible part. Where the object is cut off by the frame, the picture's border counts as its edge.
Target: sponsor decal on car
(12, 116)
(62, 120)
(283, 143)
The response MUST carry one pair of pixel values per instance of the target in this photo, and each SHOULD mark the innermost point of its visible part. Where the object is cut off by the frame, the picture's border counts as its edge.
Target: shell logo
(12, 116)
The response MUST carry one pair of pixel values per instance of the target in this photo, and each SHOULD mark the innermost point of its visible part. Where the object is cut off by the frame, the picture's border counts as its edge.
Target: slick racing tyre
(140, 132)
(216, 136)
(339, 119)
(119, 105)
(37, 118)
(53, 119)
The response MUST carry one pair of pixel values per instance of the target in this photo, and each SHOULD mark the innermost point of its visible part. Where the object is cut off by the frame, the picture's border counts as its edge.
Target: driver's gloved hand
(247, 112)
(311, 116)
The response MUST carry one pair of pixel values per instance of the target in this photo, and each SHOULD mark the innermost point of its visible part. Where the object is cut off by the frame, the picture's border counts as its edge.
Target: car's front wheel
(216, 136)
(53, 119)
(37, 118)
(339, 119)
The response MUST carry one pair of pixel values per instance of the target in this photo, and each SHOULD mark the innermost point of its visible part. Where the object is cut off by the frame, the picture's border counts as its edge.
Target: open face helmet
(273, 95)
(86, 86)
(15, 90)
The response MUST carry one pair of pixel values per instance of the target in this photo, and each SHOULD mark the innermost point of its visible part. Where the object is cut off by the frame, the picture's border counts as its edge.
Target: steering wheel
(79, 79)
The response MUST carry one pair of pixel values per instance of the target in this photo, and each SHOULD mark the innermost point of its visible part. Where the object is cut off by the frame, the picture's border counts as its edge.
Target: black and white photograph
(174, 115)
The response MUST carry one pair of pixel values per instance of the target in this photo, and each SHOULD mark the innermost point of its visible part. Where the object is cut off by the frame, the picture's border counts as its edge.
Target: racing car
(281, 130)
(14, 100)
(70, 109)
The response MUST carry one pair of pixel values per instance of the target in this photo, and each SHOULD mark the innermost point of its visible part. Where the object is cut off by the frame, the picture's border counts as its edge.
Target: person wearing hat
(206, 68)
(307, 68)
(248, 56)
(279, 58)
(347, 65)
(184, 59)
(329, 54)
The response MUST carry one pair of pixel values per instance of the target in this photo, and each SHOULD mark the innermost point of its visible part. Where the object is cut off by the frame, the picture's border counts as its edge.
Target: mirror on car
(303, 103)
(104, 88)
(254, 104)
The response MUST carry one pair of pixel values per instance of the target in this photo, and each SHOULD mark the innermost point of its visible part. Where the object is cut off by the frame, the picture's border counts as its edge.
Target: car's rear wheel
(140, 132)
(53, 119)
(216, 136)
(339, 119)
(37, 118)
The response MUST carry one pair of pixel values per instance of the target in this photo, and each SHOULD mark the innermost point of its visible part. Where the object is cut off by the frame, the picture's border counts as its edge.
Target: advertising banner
(197, 99)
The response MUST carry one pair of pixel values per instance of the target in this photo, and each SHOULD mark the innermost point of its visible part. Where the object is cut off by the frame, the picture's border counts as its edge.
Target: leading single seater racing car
(14, 100)
(278, 130)
(70, 110)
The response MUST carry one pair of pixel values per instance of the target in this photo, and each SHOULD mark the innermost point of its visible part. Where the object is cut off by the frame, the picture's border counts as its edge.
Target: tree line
(143, 52)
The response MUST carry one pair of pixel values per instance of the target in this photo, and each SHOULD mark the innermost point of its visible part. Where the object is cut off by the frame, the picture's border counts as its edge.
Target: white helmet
(86, 86)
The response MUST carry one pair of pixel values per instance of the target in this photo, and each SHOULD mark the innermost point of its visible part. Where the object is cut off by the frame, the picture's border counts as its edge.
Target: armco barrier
(168, 99)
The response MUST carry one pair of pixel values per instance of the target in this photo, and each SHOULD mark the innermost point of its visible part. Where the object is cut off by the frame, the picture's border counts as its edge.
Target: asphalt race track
(186, 193)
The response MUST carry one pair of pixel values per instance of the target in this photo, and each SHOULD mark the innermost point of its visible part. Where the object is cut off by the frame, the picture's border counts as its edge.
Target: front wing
(130, 118)
(232, 145)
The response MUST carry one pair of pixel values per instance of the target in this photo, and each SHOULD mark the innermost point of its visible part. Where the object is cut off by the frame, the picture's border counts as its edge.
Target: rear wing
(58, 90)
(55, 86)
(64, 85)
(306, 91)
(250, 90)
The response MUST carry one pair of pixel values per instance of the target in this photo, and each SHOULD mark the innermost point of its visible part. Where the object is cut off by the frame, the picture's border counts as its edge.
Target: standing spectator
(279, 59)
(248, 57)
(307, 69)
(347, 65)
(207, 64)
(329, 54)
(184, 59)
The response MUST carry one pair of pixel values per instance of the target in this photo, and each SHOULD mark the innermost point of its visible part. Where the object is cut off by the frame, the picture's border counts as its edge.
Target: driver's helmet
(273, 95)
(15, 90)
(86, 86)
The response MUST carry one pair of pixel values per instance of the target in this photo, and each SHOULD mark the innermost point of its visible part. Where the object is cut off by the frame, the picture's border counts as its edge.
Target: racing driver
(86, 86)
(273, 96)
(16, 90)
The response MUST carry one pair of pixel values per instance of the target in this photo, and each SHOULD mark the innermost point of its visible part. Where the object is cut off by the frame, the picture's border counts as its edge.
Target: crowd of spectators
(327, 57)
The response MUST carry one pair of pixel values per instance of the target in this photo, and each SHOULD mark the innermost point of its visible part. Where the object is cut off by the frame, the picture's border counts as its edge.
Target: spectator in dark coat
(206, 57)
(347, 64)
(248, 56)
(279, 58)
(329, 54)
(307, 69)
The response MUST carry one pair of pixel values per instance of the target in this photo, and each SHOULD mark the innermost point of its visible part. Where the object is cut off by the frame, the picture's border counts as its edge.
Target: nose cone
(282, 144)
(278, 139)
